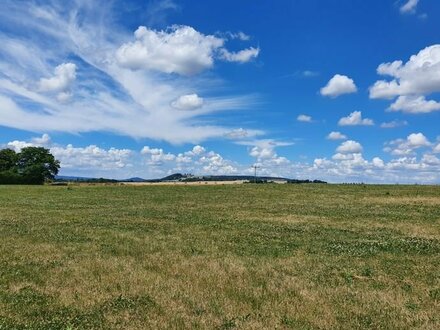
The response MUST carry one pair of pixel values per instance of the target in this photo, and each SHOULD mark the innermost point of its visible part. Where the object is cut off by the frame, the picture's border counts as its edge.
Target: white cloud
(412, 82)
(241, 56)
(409, 7)
(436, 149)
(238, 133)
(377, 162)
(336, 136)
(107, 96)
(404, 147)
(239, 35)
(79, 158)
(304, 118)
(157, 156)
(349, 147)
(414, 105)
(262, 152)
(196, 151)
(188, 102)
(355, 119)
(180, 49)
(417, 140)
(347, 165)
(394, 124)
(44, 140)
(61, 82)
(91, 157)
(266, 157)
(339, 85)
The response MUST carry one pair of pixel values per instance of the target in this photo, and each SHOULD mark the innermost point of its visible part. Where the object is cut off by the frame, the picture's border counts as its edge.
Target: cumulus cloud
(188, 102)
(411, 82)
(346, 165)
(417, 140)
(377, 162)
(241, 56)
(339, 85)
(266, 157)
(304, 118)
(336, 136)
(414, 104)
(91, 157)
(60, 82)
(43, 141)
(64, 76)
(349, 147)
(409, 7)
(197, 160)
(355, 119)
(157, 156)
(405, 147)
(180, 49)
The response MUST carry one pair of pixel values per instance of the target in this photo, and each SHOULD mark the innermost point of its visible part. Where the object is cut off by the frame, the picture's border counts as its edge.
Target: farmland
(220, 257)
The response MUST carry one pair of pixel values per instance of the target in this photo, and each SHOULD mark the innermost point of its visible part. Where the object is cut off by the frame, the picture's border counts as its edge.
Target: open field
(220, 257)
(180, 183)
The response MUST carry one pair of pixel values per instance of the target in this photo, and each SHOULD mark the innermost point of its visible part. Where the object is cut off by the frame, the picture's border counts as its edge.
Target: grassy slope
(246, 256)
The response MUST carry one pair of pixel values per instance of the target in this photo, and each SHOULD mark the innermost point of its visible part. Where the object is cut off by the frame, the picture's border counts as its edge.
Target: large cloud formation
(111, 82)
(411, 82)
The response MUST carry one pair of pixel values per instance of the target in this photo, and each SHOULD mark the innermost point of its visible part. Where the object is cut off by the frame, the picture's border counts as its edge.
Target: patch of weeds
(199, 311)
(367, 272)
(434, 294)
(412, 306)
(406, 287)
(228, 324)
(348, 278)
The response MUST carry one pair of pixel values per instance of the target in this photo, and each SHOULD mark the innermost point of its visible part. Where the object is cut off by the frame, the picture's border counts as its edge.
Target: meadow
(220, 257)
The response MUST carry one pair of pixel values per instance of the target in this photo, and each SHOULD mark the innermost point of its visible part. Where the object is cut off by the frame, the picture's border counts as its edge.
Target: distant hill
(135, 179)
(178, 177)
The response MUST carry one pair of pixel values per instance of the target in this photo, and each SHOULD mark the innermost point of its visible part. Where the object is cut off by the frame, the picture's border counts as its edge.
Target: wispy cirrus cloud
(71, 68)
(409, 7)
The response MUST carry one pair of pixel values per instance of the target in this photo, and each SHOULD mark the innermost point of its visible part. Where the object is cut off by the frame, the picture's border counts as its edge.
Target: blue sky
(344, 91)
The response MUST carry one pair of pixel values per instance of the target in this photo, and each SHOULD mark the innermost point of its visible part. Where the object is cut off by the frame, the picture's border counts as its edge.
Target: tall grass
(220, 257)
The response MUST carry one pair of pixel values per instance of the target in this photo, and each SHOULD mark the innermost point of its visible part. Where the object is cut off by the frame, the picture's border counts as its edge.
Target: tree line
(32, 165)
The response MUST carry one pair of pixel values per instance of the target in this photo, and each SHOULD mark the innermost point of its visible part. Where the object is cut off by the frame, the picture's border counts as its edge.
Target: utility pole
(255, 167)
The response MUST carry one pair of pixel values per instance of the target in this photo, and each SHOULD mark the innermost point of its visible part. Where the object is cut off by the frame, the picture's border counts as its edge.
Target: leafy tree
(37, 164)
(8, 160)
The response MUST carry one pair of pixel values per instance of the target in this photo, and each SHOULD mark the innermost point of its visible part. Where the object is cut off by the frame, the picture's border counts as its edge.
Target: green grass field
(220, 257)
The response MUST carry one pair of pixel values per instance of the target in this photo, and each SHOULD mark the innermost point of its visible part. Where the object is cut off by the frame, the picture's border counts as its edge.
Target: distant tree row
(32, 165)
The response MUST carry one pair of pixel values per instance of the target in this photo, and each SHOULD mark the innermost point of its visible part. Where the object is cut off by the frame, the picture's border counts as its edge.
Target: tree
(37, 164)
(8, 160)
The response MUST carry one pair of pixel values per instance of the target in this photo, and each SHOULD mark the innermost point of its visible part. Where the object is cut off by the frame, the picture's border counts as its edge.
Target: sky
(336, 90)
